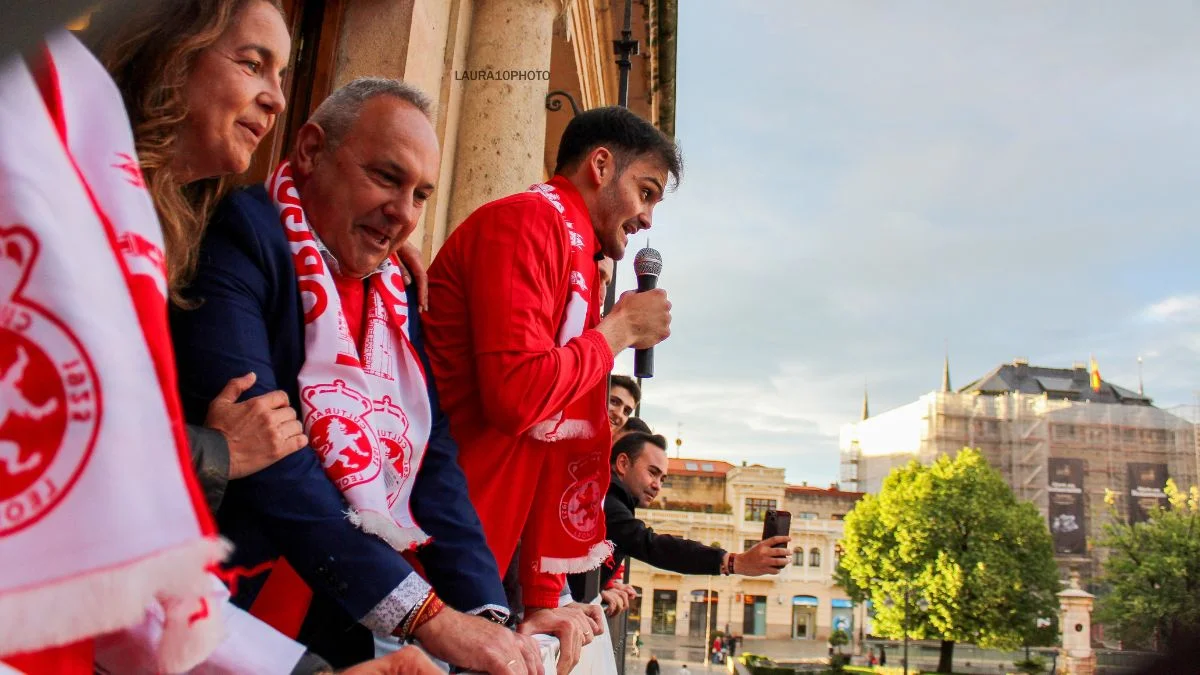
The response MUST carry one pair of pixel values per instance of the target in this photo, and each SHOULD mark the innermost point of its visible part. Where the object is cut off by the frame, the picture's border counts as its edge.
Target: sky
(868, 185)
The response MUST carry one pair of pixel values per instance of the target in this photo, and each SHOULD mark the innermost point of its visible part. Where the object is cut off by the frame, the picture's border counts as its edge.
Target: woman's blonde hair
(150, 55)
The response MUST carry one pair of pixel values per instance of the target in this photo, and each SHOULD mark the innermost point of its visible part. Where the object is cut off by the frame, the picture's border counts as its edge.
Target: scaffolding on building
(1020, 433)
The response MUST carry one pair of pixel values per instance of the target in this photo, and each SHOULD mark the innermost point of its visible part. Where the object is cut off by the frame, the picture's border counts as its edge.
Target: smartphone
(776, 523)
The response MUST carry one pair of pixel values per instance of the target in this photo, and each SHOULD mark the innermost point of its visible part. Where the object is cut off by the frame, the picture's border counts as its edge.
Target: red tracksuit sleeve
(541, 590)
(518, 294)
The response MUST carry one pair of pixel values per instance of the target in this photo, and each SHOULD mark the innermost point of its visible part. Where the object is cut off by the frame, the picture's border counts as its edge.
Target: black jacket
(210, 460)
(632, 538)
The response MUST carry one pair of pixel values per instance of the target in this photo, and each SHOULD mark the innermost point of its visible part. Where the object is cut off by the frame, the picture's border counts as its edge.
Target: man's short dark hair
(625, 134)
(633, 445)
(628, 384)
(636, 425)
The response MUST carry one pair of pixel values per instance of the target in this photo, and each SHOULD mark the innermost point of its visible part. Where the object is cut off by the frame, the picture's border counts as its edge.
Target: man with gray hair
(298, 282)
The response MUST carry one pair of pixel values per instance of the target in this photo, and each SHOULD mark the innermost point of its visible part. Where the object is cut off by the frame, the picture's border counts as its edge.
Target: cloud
(1175, 308)
(867, 182)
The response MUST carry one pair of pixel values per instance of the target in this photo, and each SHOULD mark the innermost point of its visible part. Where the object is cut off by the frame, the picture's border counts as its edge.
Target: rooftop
(716, 468)
(1066, 383)
(697, 467)
(831, 491)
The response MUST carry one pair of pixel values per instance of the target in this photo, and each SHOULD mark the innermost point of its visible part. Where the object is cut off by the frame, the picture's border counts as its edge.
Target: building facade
(717, 503)
(488, 66)
(1061, 438)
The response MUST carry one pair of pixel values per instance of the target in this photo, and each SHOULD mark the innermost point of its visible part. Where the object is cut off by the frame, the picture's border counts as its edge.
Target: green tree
(952, 543)
(1153, 573)
(838, 639)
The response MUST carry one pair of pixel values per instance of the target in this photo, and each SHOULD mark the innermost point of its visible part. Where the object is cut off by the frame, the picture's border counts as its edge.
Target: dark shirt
(632, 538)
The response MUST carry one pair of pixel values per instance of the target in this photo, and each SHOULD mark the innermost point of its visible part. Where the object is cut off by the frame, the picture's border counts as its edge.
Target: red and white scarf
(251, 647)
(100, 514)
(366, 414)
(566, 525)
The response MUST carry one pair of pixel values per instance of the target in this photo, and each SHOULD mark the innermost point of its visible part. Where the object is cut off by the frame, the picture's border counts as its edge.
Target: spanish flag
(1094, 371)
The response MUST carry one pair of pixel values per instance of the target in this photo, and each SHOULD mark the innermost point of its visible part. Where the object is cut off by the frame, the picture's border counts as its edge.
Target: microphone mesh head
(647, 261)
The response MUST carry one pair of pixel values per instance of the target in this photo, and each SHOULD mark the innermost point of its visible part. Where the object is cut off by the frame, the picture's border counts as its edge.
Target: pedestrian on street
(652, 666)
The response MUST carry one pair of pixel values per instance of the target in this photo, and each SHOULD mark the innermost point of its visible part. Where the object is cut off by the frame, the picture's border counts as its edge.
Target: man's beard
(608, 202)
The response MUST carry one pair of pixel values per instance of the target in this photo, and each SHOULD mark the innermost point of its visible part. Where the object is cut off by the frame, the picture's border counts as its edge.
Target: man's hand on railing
(613, 601)
(476, 644)
(617, 598)
(630, 592)
(575, 625)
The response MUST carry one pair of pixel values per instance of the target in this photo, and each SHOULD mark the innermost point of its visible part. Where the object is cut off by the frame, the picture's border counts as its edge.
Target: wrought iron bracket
(553, 104)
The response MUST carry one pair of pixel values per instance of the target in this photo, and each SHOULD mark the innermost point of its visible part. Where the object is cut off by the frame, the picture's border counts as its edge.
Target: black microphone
(647, 264)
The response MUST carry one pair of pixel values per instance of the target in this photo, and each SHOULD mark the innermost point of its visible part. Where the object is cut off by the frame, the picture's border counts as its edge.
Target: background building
(721, 504)
(488, 65)
(1058, 441)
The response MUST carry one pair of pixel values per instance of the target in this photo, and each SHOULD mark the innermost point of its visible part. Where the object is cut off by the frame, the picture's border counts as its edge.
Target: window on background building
(662, 620)
(691, 466)
(706, 467)
(838, 516)
(756, 509)
(814, 557)
(804, 617)
(703, 603)
(798, 557)
(754, 618)
(635, 609)
(843, 615)
(1066, 431)
(806, 515)
(748, 544)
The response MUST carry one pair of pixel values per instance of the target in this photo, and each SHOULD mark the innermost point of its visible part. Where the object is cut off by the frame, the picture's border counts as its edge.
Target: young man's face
(625, 204)
(644, 476)
(620, 407)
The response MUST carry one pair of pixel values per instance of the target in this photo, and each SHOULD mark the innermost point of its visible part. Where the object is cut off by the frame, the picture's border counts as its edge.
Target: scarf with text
(366, 412)
(566, 523)
(100, 514)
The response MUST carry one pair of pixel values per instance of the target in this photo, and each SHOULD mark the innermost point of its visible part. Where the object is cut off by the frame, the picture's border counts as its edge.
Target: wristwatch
(499, 617)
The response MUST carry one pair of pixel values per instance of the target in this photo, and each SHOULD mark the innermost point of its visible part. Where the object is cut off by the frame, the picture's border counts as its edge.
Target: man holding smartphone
(639, 464)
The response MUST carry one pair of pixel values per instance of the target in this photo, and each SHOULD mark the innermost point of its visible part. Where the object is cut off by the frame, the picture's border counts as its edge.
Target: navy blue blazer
(250, 318)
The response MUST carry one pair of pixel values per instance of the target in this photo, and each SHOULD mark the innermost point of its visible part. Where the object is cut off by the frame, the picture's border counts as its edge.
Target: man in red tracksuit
(521, 356)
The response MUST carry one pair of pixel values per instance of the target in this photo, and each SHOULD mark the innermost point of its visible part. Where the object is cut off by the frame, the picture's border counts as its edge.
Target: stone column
(502, 129)
(1075, 621)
